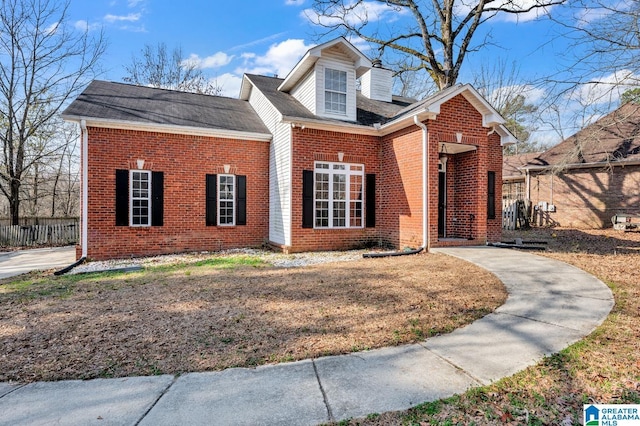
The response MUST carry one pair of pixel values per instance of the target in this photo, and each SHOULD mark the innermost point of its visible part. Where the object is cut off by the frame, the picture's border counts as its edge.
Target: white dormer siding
(310, 91)
(377, 84)
(305, 92)
(321, 71)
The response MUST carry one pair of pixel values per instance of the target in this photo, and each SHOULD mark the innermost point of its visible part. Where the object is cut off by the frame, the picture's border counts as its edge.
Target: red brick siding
(308, 146)
(400, 208)
(185, 160)
(400, 188)
(395, 159)
(587, 198)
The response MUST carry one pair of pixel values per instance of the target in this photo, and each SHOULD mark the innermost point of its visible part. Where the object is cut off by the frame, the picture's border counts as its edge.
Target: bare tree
(65, 182)
(602, 61)
(44, 61)
(157, 67)
(515, 100)
(441, 34)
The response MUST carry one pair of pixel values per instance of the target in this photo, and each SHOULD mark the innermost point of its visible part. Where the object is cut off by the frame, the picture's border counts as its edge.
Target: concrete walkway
(22, 261)
(550, 306)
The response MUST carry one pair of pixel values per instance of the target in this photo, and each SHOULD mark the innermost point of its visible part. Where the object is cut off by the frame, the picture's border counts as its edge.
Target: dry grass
(602, 368)
(230, 311)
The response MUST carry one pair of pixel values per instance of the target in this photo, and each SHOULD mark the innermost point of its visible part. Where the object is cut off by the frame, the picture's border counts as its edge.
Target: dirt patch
(213, 315)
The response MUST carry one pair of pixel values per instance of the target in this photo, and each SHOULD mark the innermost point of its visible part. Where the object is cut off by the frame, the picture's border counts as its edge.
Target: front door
(442, 203)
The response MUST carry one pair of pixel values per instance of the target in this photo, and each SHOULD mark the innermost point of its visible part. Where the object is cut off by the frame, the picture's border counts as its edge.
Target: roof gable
(432, 104)
(362, 63)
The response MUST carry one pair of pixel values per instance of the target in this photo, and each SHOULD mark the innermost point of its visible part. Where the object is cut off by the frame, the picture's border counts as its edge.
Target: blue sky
(229, 38)
(268, 37)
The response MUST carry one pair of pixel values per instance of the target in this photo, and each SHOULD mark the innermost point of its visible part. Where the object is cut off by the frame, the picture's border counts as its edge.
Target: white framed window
(338, 195)
(140, 198)
(335, 91)
(226, 200)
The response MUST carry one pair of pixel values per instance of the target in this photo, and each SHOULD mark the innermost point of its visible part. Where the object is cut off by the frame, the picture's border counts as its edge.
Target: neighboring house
(513, 175)
(587, 178)
(307, 162)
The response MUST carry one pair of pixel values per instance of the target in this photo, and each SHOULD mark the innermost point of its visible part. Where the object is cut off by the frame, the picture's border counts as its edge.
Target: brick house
(308, 162)
(587, 178)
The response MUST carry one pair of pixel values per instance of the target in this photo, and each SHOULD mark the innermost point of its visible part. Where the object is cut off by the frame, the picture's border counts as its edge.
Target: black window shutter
(370, 211)
(241, 195)
(211, 204)
(491, 195)
(122, 197)
(307, 198)
(157, 201)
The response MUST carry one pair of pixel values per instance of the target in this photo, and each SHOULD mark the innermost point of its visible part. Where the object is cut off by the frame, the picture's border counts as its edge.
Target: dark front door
(442, 203)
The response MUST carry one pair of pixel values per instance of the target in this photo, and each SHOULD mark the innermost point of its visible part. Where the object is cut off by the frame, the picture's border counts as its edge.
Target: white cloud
(51, 29)
(596, 12)
(366, 11)
(230, 84)
(134, 3)
(216, 60)
(279, 59)
(294, 2)
(606, 89)
(132, 17)
(463, 8)
(82, 25)
(258, 41)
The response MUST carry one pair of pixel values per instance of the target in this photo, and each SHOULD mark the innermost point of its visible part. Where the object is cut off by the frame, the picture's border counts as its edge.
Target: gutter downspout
(426, 243)
(85, 187)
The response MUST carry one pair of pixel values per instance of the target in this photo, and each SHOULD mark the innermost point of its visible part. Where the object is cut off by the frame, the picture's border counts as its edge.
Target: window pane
(226, 198)
(339, 213)
(339, 187)
(140, 198)
(338, 195)
(322, 213)
(335, 97)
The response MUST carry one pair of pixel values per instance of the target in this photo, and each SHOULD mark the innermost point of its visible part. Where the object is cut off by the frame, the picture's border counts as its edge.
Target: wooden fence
(28, 221)
(40, 235)
(515, 214)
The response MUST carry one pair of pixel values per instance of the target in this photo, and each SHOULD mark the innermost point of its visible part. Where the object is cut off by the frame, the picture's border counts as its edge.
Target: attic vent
(376, 63)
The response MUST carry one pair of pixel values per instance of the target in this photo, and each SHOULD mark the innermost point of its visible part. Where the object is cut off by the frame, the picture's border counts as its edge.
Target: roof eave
(621, 163)
(245, 88)
(169, 128)
(319, 124)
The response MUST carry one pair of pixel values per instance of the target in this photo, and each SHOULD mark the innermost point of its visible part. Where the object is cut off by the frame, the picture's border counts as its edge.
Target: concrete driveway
(23, 261)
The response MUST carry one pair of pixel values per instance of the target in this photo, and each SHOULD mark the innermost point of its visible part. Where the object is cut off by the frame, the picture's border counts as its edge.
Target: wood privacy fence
(33, 220)
(515, 214)
(40, 235)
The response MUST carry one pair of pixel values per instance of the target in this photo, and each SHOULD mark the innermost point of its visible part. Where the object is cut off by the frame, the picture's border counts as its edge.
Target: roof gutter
(348, 127)
(169, 128)
(622, 163)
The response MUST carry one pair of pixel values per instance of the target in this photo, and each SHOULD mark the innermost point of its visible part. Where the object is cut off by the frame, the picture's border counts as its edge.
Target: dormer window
(335, 91)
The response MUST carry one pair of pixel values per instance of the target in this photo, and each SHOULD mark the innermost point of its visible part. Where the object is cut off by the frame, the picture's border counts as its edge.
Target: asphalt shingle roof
(614, 137)
(368, 111)
(140, 104)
